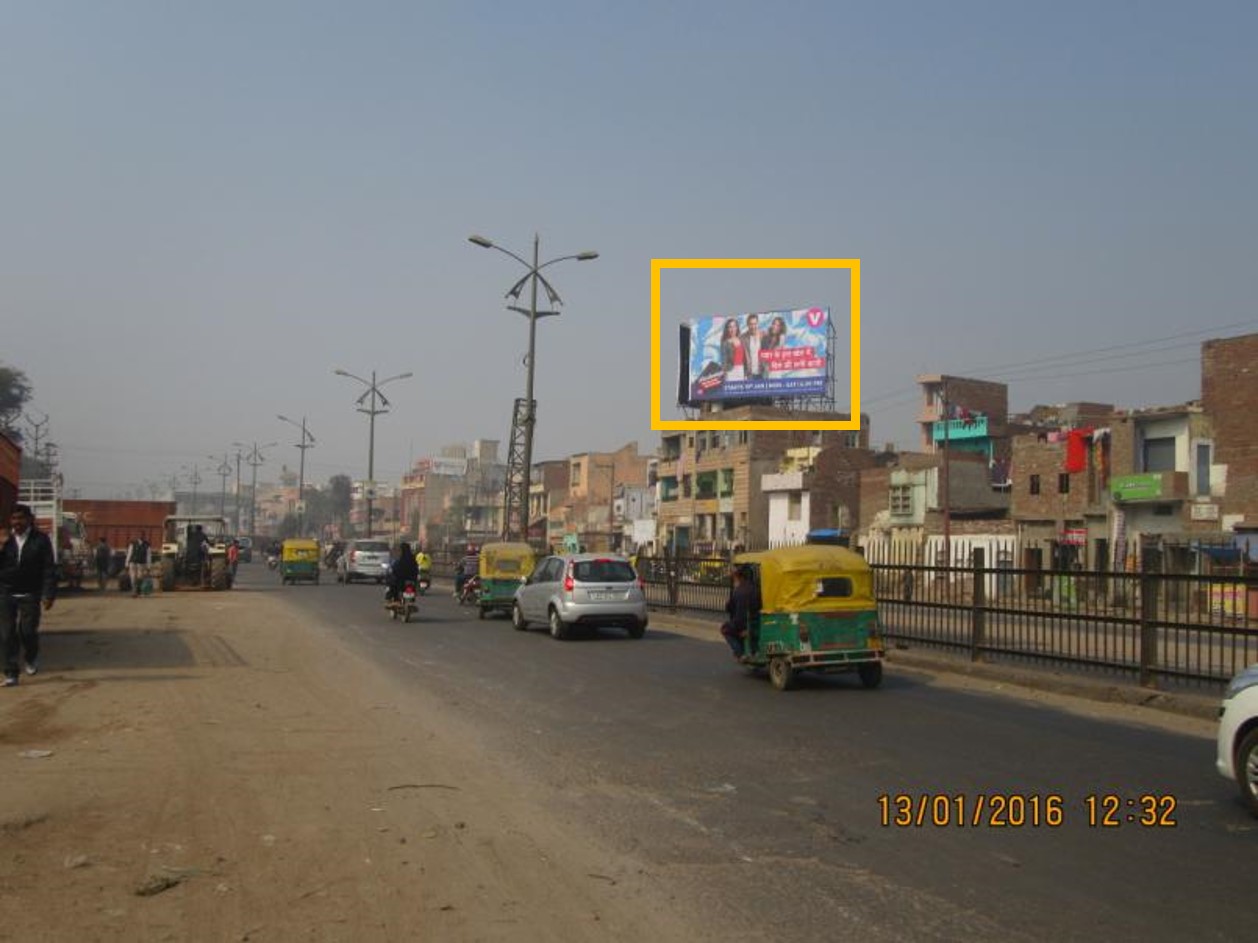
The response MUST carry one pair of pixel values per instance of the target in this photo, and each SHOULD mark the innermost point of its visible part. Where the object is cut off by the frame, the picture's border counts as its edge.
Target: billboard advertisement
(764, 354)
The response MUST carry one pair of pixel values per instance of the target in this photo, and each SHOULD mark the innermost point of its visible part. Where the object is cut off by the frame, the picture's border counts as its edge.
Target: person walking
(139, 559)
(101, 558)
(233, 557)
(28, 584)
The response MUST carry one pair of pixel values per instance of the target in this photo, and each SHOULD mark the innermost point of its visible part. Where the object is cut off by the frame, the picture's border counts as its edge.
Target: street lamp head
(340, 373)
(586, 256)
(480, 241)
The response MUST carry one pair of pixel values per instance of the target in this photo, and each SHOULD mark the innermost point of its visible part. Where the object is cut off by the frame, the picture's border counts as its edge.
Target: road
(760, 810)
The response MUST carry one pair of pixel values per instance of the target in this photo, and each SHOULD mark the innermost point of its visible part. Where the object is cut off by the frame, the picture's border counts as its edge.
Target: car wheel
(517, 618)
(637, 630)
(781, 674)
(870, 674)
(558, 628)
(1247, 770)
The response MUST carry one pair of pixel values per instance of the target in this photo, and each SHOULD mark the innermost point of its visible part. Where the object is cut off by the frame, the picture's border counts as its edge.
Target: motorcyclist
(424, 562)
(404, 569)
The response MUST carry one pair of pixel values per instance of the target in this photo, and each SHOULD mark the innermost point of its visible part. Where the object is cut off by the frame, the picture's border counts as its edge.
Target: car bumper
(603, 614)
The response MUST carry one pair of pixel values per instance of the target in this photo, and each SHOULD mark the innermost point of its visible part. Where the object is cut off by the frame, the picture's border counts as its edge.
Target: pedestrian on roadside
(139, 559)
(233, 557)
(742, 609)
(28, 584)
(101, 557)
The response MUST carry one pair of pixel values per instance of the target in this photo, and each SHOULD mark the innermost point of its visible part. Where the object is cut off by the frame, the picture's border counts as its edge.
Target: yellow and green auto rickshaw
(503, 568)
(817, 614)
(299, 560)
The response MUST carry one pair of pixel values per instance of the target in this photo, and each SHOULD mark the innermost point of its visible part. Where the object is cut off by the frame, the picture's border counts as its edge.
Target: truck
(64, 528)
(120, 522)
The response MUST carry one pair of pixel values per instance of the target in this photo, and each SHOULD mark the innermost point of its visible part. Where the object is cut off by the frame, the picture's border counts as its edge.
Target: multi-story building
(548, 490)
(588, 511)
(1229, 396)
(815, 488)
(710, 495)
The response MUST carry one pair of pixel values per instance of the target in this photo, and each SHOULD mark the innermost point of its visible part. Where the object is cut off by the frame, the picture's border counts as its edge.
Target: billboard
(763, 354)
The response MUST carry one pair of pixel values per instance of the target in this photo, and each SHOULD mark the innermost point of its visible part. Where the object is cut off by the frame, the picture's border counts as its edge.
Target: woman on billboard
(733, 355)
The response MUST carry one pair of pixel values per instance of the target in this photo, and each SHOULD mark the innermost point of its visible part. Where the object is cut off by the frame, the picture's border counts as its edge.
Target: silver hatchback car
(582, 589)
(364, 560)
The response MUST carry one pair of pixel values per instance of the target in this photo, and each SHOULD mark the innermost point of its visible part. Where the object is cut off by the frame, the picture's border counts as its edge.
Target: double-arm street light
(519, 501)
(254, 458)
(307, 441)
(373, 393)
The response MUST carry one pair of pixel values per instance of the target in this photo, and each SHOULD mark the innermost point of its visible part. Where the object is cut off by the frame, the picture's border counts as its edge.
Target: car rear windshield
(372, 546)
(603, 571)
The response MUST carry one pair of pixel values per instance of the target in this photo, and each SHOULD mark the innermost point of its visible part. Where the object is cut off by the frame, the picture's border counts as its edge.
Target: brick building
(815, 488)
(710, 497)
(1229, 396)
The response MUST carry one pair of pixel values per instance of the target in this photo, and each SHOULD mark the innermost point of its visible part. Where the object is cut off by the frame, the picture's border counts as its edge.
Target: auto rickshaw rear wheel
(870, 674)
(781, 674)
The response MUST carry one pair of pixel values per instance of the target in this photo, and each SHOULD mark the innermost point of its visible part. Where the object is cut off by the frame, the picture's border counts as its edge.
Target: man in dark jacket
(743, 608)
(28, 580)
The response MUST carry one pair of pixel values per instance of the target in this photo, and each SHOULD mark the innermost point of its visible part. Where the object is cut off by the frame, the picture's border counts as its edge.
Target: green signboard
(1136, 487)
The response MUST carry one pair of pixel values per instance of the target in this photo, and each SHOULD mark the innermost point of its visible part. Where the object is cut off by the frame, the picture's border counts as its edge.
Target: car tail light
(569, 584)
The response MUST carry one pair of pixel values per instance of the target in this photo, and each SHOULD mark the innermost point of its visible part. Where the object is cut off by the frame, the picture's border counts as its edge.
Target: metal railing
(1153, 627)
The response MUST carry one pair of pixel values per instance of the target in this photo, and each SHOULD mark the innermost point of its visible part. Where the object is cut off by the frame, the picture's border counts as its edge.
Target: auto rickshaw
(503, 568)
(299, 560)
(817, 614)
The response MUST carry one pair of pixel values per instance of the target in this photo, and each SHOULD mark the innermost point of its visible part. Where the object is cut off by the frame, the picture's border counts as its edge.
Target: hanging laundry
(1077, 450)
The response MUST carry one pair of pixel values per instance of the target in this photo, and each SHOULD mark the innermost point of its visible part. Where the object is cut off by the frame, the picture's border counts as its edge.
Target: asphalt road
(760, 810)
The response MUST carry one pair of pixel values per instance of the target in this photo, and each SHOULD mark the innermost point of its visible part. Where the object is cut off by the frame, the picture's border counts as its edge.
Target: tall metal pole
(196, 480)
(947, 490)
(307, 441)
(236, 516)
(371, 456)
(530, 404)
(373, 391)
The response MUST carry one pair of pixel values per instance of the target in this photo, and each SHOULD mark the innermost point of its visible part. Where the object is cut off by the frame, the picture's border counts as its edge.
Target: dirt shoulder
(206, 766)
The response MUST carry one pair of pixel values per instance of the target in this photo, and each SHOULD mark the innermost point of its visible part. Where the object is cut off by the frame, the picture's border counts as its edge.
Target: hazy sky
(209, 207)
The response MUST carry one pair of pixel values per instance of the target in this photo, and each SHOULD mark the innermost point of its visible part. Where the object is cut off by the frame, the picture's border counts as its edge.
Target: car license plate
(597, 596)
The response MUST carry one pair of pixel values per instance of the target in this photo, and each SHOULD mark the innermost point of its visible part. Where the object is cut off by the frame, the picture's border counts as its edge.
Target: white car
(1238, 735)
(364, 560)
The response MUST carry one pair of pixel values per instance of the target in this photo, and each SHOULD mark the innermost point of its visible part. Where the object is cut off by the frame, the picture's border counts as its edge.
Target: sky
(208, 208)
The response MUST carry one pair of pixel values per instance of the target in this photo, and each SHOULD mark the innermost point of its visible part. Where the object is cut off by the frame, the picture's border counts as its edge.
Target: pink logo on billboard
(816, 316)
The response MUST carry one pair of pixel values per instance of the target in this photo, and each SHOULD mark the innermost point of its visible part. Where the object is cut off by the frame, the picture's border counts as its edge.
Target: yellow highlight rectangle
(658, 423)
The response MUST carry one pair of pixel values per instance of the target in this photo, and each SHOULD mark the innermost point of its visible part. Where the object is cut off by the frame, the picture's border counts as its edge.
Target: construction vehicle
(187, 561)
(64, 528)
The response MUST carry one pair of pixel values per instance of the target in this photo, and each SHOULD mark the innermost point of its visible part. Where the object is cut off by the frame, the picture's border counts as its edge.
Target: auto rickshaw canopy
(811, 578)
(506, 561)
(299, 551)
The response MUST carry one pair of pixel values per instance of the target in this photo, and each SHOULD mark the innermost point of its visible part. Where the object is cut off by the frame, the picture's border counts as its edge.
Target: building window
(901, 499)
(1203, 468)
(575, 474)
(727, 483)
(1035, 484)
(686, 486)
(1163, 510)
(794, 505)
(744, 437)
(1063, 483)
(1159, 454)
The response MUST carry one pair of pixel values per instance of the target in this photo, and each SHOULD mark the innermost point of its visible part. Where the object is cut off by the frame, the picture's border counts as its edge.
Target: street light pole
(224, 470)
(254, 459)
(373, 391)
(307, 441)
(517, 496)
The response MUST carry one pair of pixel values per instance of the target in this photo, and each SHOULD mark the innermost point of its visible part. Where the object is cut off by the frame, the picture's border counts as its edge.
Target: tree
(341, 497)
(15, 392)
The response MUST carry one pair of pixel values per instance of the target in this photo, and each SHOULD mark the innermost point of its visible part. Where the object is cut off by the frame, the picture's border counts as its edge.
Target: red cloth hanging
(1077, 450)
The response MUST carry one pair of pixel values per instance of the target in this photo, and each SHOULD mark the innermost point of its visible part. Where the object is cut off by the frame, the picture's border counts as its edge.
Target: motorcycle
(425, 583)
(470, 594)
(272, 561)
(404, 605)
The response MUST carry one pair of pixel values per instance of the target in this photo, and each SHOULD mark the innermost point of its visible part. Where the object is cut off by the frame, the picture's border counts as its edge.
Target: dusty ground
(202, 766)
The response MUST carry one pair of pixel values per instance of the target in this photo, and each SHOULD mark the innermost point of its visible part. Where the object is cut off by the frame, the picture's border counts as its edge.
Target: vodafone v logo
(816, 316)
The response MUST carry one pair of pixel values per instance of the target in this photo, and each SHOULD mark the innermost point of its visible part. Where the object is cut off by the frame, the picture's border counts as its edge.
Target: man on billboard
(751, 344)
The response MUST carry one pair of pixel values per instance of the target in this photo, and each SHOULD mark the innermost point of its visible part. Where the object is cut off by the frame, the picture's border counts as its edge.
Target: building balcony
(960, 429)
(1150, 488)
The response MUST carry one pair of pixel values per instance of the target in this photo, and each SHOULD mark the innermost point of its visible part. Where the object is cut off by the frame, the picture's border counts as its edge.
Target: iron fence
(1157, 628)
